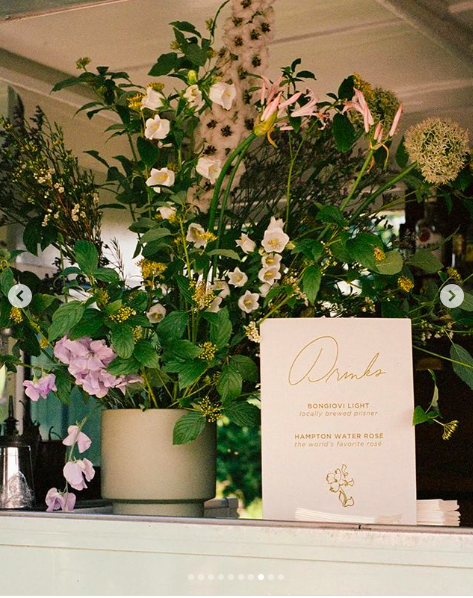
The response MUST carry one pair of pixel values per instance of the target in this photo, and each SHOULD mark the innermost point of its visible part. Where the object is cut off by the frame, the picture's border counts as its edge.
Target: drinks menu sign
(337, 404)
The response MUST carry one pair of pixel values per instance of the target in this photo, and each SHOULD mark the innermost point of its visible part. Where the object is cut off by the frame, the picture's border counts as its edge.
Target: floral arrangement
(218, 254)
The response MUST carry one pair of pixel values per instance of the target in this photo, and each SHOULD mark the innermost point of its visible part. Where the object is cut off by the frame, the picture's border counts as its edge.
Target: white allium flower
(196, 234)
(157, 128)
(274, 240)
(237, 278)
(193, 95)
(248, 302)
(222, 286)
(156, 313)
(269, 275)
(152, 100)
(209, 168)
(161, 176)
(215, 305)
(271, 260)
(246, 244)
(223, 94)
(167, 212)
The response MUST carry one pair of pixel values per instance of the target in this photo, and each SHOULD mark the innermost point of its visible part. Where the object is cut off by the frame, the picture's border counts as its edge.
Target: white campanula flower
(237, 278)
(264, 289)
(157, 128)
(269, 275)
(156, 313)
(152, 100)
(160, 176)
(196, 234)
(248, 302)
(271, 260)
(275, 223)
(214, 307)
(246, 244)
(193, 95)
(209, 168)
(222, 286)
(167, 212)
(275, 240)
(223, 94)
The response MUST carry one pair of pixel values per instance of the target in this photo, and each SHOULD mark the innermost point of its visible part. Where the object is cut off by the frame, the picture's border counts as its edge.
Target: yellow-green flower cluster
(151, 270)
(203, 296)
(405, 283)
(440, 147)
(211, 411)
(123, 314)
(252, 332)
(208, 351)
(15, 315)
(383, 104)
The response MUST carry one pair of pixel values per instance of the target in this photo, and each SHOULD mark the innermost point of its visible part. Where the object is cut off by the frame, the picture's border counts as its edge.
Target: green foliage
(188, 427)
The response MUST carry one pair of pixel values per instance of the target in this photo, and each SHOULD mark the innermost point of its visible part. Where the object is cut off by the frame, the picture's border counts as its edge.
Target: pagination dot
(261, 576)
(280, 576)
(190, 576)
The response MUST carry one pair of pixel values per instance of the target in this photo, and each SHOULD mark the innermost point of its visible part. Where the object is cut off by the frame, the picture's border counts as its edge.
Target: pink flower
(76, 471)
(56, 500)
(40, 388)
(396, 120)
(123, 381)
(358, 103)
(75, 436)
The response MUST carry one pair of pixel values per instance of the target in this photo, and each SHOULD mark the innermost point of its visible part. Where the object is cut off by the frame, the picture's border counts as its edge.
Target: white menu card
(337, 404)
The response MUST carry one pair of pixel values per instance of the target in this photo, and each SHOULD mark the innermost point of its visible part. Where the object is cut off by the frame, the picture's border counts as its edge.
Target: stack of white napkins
(429, 512)
(438, 512)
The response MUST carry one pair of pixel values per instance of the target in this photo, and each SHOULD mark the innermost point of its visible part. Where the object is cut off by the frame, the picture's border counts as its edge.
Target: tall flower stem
(218, 185)
(381, 190)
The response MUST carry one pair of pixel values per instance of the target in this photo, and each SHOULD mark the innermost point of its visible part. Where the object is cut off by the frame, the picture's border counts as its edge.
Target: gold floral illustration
(338, 481)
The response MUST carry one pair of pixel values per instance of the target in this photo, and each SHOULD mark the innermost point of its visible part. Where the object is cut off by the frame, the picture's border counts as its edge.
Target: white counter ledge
(43, 553)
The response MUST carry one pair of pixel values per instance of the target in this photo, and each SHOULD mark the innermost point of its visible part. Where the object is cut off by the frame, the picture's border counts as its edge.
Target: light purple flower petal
(31, 390)
(69, 501)
(87, 468)
(76, 436)
(53, 500)
(72, 471)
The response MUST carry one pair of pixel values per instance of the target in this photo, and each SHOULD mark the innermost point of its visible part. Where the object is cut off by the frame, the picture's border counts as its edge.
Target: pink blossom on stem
(75, 436)
(358, 103)
(397, 118)
(40, 388)
(77, 472)
(56, 500)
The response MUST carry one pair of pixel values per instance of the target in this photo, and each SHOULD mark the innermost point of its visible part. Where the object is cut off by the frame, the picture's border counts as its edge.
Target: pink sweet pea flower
(75, 471)
(56, 500)
(123, 381)
(75, 436)
(40, 388)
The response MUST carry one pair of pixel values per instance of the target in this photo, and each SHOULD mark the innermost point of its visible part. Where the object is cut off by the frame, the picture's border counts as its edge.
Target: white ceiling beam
(433, 19)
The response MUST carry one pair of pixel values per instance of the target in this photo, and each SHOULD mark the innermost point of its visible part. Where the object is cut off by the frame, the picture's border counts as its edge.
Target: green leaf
(63, 385)
(196, 54)
(225, 253)
(90, 325)
(148, 152)
(243, 414)
(142, 225)
(122, 367)
(246, 367)
(461, 369)
(346, 90)
(123, 340)
(467, 304)
(392, 264)
(190, 372)
(172, 326)
(106, 275)
(41, 302)
(183, 349)
(154, 234)
(343, 132)
(164, 65)
(65, 318)
(361, 252)
(426, 260)
(32, 236)
(7, 281)
(420, 416)
(230, 383)
(188, 427)
(311, 282)
(146, 354)
(311, 248)
(95, 154)
(221, 328)
(86, 256)
(185, 26)
(402, 157)
(331, 214)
